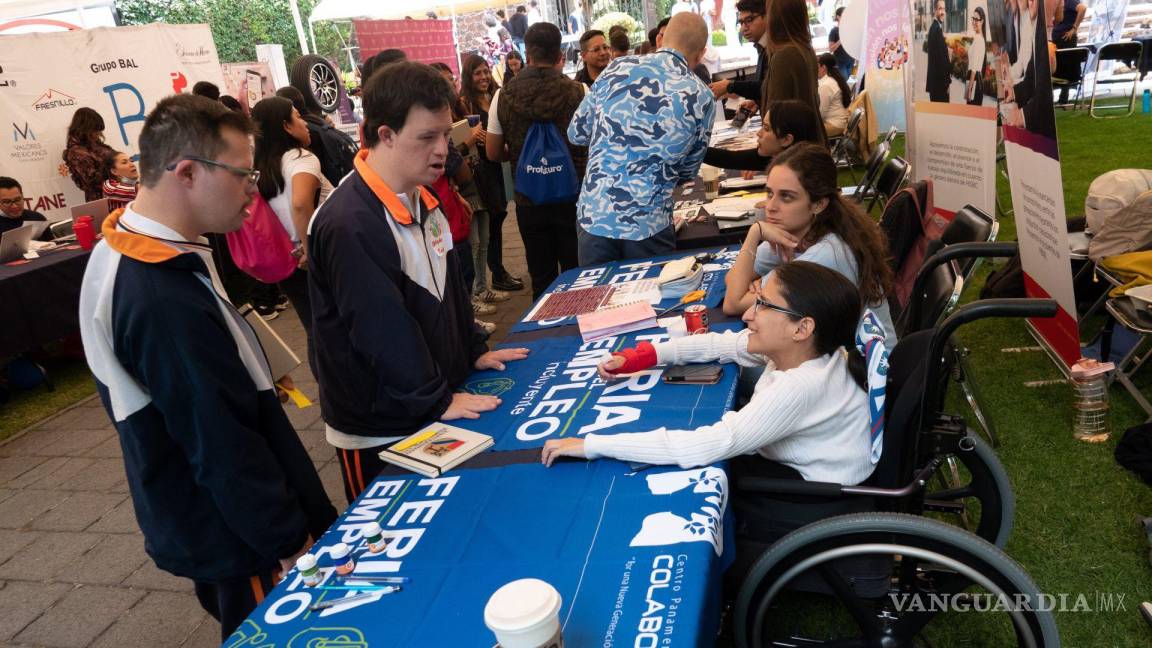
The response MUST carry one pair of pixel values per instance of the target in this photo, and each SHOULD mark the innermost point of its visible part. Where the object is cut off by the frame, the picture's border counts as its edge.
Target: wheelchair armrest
(768, 486)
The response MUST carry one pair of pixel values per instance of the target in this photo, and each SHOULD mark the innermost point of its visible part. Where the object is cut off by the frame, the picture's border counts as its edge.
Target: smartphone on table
(694, 374)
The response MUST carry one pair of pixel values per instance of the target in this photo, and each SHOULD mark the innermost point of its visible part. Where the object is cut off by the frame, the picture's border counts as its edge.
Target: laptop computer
(14, 243)
(97, 209)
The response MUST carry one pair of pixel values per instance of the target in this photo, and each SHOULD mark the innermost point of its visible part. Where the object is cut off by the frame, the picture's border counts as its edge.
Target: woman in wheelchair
(806, 219)
(808, 417)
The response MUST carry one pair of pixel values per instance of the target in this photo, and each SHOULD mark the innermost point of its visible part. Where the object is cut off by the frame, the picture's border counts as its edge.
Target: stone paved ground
(73, 571)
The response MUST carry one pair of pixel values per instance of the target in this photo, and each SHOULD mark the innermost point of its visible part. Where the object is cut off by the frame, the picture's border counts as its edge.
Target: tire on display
(319, 80)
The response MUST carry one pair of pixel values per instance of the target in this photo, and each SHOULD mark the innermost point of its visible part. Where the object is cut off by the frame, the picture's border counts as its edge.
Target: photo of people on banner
(983, 54)
(954, 35)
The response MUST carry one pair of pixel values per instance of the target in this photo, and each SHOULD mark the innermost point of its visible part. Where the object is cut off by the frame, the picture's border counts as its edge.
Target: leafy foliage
(238, 27)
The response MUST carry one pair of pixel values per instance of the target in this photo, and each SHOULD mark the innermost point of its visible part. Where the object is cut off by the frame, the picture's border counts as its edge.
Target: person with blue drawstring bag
(528, 124)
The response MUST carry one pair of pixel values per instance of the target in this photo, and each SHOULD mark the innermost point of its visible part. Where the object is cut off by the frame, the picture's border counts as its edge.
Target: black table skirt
(40, 300)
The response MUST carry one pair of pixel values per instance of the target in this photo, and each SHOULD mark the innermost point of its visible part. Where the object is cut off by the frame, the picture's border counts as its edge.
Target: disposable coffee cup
(711, 177)
(525, 614)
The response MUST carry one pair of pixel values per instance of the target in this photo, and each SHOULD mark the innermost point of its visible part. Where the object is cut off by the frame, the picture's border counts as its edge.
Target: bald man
(646, 122)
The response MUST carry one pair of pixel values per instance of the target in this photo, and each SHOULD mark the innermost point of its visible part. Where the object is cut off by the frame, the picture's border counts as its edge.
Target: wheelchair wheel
(976, 493)
(938, 584)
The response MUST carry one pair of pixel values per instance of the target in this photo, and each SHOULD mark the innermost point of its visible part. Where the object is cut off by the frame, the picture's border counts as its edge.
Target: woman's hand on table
(562, 448)
(469, 406)
(610, 364)
(496, 359)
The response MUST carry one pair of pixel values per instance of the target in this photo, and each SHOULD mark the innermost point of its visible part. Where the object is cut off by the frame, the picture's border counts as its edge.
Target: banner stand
(1049, 350)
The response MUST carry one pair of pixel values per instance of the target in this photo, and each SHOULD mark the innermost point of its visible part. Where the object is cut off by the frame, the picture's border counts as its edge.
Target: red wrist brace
(639, 358)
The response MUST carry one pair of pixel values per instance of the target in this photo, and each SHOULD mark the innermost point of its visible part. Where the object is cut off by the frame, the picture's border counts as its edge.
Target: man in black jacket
(12, 212)
(392, 319)
(222, 488)
(939, 63)
(540, 93)
(517, 27)
(754, 28)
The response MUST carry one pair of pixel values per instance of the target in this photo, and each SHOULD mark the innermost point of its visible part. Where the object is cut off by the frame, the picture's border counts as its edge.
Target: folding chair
(1127, 52)
(841, 151)
(890, 180)
(1069, 72)
(891, 136)
(1134, 317)
(970, 225)
(871, 171)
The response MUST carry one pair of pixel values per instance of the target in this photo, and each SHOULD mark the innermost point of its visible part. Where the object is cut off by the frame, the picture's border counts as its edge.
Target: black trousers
(358, 468)
(549, 234)
(231, 601)
(296, 288)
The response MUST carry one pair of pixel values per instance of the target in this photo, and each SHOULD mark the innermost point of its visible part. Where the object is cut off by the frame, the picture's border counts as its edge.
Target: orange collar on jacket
(139, 246)
(391, 201)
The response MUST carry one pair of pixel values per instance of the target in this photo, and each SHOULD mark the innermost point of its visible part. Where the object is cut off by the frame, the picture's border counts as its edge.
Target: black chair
(872, 168)
(891, 136)
(842, 144)
(1128, 53)
(1069, 72)
(970, 225)
(862, 560)
(890, 180)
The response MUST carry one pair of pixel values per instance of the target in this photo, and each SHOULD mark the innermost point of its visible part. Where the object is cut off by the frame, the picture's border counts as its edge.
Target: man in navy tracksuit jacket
(392, 321)
(222, 488)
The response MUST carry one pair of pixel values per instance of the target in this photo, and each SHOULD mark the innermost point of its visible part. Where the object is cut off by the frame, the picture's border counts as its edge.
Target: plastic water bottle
(1091, 422)
(1147, 106)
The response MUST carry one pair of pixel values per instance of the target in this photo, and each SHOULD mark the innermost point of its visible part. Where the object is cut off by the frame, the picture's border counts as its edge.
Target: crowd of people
(399, 252)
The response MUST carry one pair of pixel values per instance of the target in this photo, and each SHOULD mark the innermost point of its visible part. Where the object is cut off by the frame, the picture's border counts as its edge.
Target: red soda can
(696, 319)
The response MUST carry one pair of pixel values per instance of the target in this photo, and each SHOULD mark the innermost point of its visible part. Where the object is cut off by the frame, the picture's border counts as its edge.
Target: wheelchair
(898, 574)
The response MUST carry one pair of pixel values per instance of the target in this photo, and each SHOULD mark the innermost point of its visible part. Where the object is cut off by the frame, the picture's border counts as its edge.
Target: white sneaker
(488, 327)
(493, 296)
(480, 308)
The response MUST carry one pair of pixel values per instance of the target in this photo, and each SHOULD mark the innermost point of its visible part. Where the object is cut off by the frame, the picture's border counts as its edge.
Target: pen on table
(348, 599)
(362, 588)
(377, 579)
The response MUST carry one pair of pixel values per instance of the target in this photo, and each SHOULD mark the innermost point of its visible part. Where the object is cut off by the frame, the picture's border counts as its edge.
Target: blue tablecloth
(636, 557)
(556, 393)
(633, 270)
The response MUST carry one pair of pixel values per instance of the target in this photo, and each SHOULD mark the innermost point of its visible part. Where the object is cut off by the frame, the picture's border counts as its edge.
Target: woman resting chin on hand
(808, 416)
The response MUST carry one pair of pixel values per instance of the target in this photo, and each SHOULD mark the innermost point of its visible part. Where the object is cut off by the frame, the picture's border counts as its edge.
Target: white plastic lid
(372, 529)
(521, 605)
(305, 562)
(340, 550)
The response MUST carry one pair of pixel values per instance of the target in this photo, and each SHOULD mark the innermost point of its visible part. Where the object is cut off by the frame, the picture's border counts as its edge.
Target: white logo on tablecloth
(705, 525)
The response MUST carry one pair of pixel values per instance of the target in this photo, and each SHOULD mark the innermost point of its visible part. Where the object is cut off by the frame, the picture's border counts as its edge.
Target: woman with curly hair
(86, 153)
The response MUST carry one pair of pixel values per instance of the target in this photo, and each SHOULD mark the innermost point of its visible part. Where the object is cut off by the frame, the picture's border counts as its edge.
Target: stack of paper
(607, 322)
(733, 208)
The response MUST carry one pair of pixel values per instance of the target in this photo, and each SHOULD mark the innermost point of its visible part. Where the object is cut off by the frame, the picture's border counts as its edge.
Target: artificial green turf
(1076, 521)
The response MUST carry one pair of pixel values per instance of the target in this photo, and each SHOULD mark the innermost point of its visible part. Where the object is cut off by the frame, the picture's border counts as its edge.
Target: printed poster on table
(556, 393)
(955, 85)
(1033, 159)
(885, 60)
(120, 72)
(636, 557)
